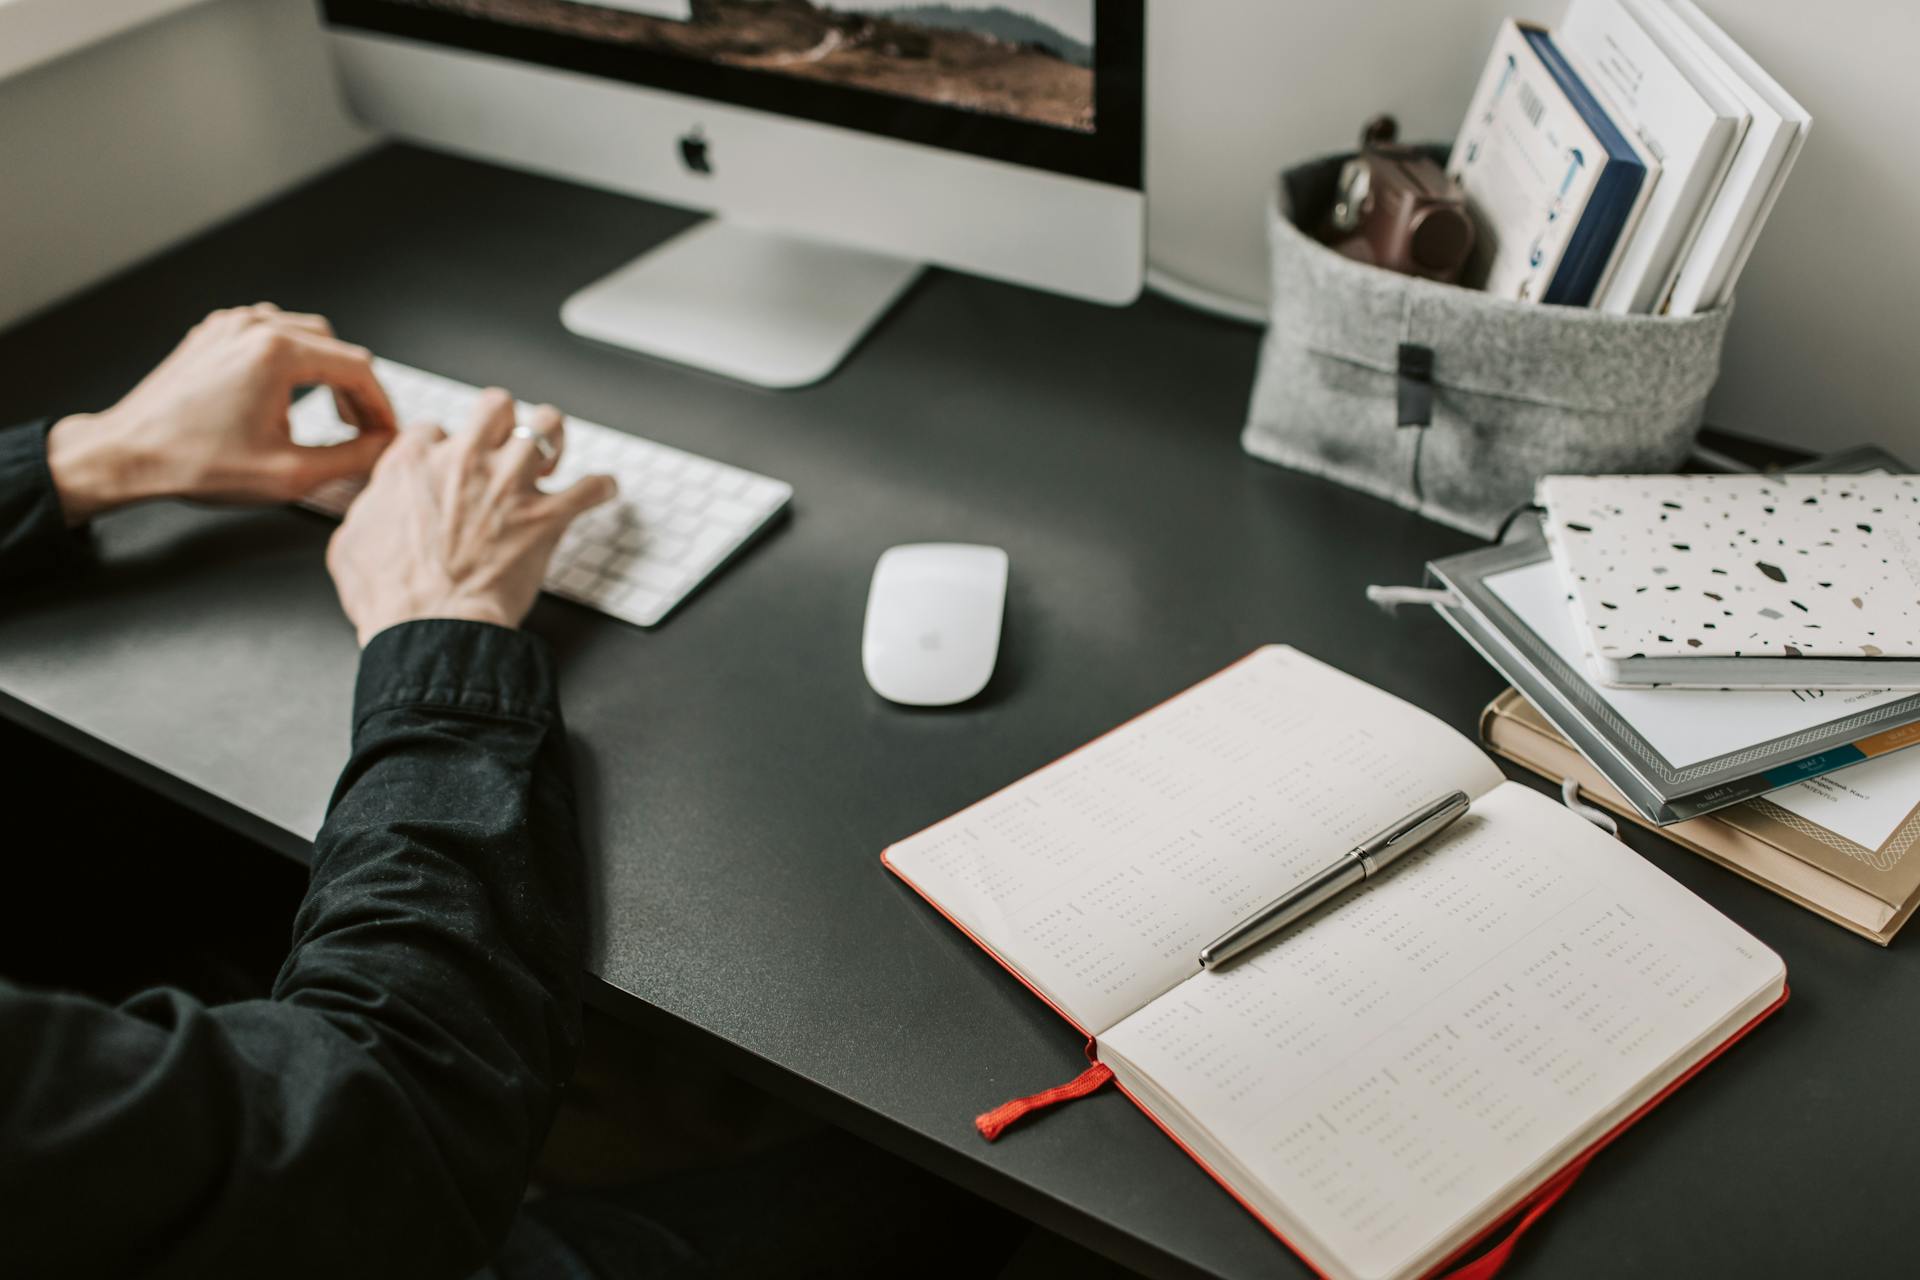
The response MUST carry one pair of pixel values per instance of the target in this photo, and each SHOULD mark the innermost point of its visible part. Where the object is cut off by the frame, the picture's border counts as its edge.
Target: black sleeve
(379, 1115)
(34, 538)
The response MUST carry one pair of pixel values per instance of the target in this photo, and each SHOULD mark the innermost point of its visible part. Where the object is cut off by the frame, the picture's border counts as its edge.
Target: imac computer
(840, 146)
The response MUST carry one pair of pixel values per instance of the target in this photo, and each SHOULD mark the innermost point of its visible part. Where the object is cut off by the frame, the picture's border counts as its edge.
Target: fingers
(265, 314)
(535, 451)
(349, 411)
(355, 457)
(491, 421)
(366, 454)
(418, 440)
(310, 358)
(367, 411)
(582, 496)
(306, 322)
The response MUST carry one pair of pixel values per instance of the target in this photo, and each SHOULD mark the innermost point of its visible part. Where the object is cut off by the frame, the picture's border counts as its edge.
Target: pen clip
(1428, 820)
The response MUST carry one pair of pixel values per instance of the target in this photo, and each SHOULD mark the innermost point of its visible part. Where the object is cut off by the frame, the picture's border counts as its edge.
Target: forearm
(453, 827)
(379, 1115)
(445, 916)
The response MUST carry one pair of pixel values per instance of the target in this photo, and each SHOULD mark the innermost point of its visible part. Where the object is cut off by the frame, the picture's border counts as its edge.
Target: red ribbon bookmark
(1494, 1260)
(992, 1124)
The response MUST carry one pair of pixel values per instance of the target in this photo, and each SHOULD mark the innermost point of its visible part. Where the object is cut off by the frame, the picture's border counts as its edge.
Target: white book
(1553, 184)
(1681, 115)
(1741, 581)
(1385, 1081)
(1761, 163)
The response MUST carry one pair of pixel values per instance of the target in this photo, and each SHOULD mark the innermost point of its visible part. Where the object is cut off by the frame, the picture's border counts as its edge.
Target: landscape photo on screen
(1030, 60)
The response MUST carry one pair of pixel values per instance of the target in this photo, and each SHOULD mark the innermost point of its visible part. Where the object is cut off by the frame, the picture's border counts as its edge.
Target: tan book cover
(1871, 890)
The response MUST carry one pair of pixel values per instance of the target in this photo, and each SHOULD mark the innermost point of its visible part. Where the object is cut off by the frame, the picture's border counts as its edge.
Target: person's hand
(455, 527)
(210, 423)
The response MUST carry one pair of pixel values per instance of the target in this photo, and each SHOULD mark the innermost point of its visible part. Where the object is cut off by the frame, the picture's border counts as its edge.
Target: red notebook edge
(977, 941)
(1563, 1175)
(1544, 1190)
(1542, 1194)
(1525, 1201)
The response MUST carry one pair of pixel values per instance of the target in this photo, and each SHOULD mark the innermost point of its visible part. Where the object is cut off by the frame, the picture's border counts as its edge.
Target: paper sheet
(1866, 802)
(1101, 876)
(1684, 725)
(1405, 1057)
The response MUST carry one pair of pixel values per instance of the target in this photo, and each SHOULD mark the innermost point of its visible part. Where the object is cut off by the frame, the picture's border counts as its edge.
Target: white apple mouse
(933, 622)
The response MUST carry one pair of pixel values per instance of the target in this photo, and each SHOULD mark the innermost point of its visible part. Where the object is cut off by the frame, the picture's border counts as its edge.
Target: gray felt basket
(1510, 391)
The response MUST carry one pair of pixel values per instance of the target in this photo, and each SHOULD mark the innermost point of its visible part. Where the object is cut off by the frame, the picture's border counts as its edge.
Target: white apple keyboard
(678, 518)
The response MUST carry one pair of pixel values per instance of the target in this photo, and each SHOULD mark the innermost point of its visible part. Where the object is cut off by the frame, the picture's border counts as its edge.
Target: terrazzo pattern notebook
(1742, 582)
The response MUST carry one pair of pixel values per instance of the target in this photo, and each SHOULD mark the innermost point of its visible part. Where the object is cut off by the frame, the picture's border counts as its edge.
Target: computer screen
(1053, 84)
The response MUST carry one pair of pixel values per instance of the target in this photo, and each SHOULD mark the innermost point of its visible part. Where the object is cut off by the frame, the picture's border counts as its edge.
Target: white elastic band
(1707, 456)
(1391, 598)
(1570, 797)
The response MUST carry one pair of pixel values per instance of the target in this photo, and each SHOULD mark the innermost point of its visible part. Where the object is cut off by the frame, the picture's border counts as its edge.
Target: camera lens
(1440, 238)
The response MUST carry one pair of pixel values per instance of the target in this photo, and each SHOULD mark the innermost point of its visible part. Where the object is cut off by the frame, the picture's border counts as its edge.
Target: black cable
(1506, 525)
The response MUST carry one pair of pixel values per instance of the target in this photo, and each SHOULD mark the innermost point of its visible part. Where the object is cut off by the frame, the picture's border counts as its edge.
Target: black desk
(739, 779)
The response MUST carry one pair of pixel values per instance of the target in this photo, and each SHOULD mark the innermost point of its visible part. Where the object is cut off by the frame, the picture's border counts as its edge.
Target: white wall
(1821, 349)
(112, 153)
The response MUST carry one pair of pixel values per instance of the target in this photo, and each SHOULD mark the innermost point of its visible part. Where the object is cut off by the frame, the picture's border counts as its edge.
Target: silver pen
(1365, 859)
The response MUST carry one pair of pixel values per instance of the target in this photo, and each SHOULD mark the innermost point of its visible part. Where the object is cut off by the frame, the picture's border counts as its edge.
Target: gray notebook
(1673, 753)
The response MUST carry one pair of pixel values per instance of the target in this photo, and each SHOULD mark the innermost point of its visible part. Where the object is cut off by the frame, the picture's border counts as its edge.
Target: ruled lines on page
(1101, 876)
(1396, 1064)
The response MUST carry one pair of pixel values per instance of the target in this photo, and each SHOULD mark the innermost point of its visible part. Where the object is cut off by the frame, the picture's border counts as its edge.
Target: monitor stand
(766, 308)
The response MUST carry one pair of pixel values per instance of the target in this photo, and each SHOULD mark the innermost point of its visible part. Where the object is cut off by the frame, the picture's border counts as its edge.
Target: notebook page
(1392, 1068)
(1100, 877)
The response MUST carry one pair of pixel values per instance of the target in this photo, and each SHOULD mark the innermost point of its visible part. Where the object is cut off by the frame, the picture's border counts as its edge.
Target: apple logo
(693, 152)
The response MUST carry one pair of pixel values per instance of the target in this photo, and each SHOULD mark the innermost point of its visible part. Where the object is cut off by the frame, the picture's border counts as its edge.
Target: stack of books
(1626, 160)
(1732, 659)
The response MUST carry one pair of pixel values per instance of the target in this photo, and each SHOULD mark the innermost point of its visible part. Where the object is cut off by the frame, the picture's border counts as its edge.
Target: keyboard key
(662, 578)
(668, 548)
(733, 512)
(766, 494)
(577, 579)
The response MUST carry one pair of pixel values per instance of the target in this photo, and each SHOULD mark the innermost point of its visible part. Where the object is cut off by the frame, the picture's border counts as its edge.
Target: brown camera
(1397, 208)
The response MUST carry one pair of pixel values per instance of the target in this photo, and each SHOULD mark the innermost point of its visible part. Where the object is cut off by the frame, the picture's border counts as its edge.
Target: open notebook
(1384, 1083)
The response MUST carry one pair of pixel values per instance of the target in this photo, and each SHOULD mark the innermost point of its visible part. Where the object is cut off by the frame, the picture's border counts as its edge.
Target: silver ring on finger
(549, 451)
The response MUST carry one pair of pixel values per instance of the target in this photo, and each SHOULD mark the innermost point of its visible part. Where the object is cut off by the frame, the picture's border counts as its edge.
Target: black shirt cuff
(471, 667)
(34, 538)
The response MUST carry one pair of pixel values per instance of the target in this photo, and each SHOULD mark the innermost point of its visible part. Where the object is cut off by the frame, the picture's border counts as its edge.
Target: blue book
(1615, 194)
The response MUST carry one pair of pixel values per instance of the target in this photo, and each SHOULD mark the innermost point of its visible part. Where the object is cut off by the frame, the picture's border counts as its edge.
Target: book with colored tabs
(1842, 845)
(1425, 1060)
(1555, 187)
(1788, 581)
